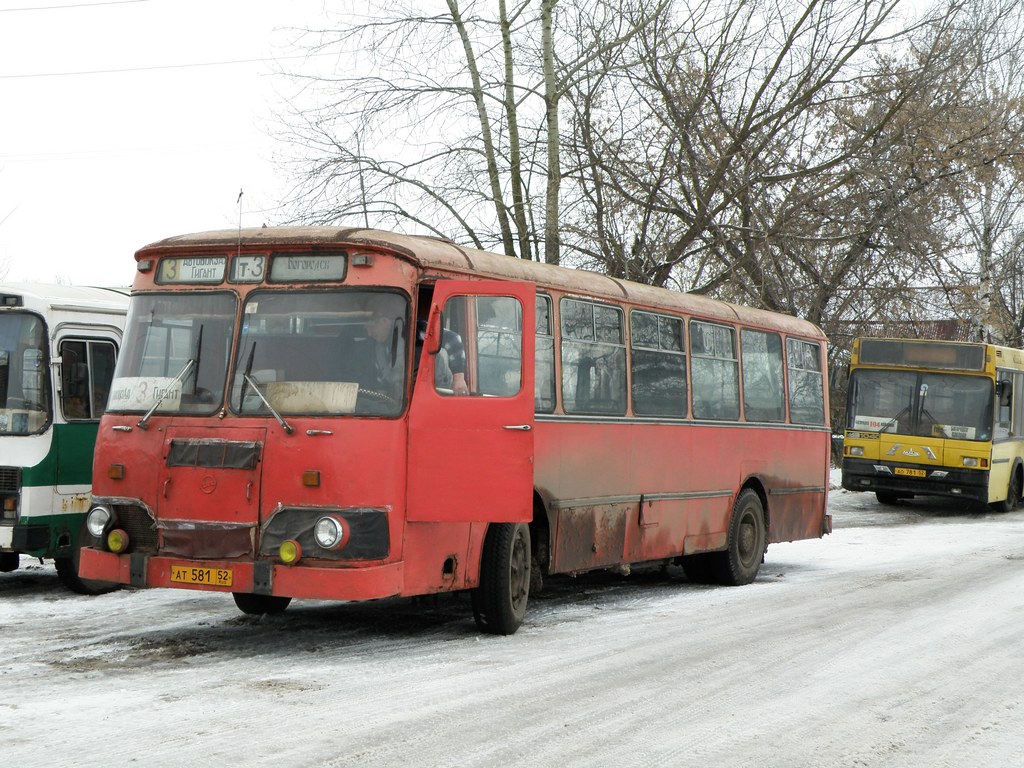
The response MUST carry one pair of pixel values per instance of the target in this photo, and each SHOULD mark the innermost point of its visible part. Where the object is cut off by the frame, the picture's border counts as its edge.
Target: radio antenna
(239, 201)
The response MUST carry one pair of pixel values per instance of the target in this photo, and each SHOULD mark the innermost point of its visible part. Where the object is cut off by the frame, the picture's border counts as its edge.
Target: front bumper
(865, 475)
(262, 577)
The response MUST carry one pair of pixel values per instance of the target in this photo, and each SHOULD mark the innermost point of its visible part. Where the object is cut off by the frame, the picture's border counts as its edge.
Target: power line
(158, 67)
(70, 5)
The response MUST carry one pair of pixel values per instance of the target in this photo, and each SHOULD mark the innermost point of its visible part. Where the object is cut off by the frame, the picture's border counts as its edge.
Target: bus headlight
(856, 450)
(330, 532)
(970, 461)
(98, 520)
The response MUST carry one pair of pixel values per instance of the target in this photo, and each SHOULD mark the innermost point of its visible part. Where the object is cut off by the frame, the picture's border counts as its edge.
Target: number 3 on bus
(370, 415)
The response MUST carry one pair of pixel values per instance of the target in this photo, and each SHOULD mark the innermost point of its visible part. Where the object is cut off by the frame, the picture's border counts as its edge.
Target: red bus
(351, 414)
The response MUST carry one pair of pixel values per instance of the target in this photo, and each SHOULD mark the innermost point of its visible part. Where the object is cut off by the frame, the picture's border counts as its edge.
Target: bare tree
(455, 127)
(830, 159)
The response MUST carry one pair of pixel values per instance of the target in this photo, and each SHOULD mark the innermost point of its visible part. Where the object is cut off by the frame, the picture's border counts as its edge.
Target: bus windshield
(921, 404)
(24, 392)
(322, 353)
(175, 354)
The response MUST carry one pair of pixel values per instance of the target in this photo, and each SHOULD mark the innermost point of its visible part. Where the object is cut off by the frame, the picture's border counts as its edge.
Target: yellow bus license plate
(910, 472)
(215, 577)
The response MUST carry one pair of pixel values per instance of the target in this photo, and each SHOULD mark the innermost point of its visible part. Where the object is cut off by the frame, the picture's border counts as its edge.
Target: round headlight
(98, 520)
(330, 533)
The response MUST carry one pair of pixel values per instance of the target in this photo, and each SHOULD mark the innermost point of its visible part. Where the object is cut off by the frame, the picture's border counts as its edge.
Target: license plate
(215, 577)
(910, 472)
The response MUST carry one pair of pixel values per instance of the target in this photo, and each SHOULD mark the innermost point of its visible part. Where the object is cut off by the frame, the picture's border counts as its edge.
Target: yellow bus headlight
(290, 552)
(970, 461)
(117, 541)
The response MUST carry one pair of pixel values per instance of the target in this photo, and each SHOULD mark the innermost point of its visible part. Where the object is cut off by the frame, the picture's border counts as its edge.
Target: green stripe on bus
(69, 460)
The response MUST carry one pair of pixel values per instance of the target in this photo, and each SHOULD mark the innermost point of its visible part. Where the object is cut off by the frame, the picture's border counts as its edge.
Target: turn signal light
(311, 478)
(290, 552)
(115, 471)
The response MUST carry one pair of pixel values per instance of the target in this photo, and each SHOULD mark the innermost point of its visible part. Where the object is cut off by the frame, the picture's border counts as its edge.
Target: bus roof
(45, 297)
(439, 254)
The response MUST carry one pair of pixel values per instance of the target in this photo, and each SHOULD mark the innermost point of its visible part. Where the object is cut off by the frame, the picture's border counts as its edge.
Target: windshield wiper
(251, 381)
(192, 364)
(189, 364)
(248, 380)
(894, 419)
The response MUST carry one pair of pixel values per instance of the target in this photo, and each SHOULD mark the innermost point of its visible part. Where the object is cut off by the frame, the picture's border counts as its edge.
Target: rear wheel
(256, 605)
(499, 603)
(9, 561)
(748, 539)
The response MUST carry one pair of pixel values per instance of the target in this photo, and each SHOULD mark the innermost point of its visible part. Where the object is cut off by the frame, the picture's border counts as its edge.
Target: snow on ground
(893, 642)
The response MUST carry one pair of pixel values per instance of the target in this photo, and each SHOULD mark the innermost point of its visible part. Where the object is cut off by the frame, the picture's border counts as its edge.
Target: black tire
(887, 497)
(9, 561)
(699, 568)
(67, 571)
(1012, 500)
(748, 540)
(499, 603)
(257, 605)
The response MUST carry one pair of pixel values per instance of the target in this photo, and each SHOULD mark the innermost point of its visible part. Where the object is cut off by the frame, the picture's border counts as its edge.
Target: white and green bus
(58, 345)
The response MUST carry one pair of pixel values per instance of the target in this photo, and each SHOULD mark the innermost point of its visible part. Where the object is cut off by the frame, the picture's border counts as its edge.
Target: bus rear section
(58, 345)
(934, 418)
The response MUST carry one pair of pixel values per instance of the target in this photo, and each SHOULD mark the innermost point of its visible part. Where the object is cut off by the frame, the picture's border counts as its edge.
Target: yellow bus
(935, 418)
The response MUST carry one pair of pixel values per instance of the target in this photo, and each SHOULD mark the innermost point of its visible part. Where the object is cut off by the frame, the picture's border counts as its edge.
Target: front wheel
(499, 603)
(748, 540)
(9, 561)
(1012, 500)
(67, 571)
(257, 605)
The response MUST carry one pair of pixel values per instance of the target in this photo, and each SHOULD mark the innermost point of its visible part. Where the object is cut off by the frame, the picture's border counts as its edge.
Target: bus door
(471, 455)
(85, 368)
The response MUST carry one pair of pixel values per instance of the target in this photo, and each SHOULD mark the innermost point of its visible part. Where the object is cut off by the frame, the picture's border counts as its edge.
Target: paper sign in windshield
(140, 393)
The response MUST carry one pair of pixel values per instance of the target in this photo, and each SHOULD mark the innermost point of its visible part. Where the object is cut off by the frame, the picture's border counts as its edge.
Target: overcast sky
(127, 121)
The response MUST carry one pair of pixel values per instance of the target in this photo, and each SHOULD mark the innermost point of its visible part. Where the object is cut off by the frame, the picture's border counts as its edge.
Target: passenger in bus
(450, 367)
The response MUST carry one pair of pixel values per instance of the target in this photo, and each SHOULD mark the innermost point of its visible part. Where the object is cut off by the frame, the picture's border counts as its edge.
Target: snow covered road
(896, 641)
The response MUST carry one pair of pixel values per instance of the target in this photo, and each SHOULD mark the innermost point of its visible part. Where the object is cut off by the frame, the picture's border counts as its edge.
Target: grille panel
(138, 525)
(10, 479)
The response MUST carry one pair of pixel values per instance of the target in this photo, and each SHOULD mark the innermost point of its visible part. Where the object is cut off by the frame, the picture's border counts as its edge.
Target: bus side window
(499, 345)
(544, 354)
(715, 371)
(1018, 406)
(806, 382)
(593, 358)
(74, 380)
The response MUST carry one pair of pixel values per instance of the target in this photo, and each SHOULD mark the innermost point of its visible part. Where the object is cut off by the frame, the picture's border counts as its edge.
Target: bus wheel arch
(67, 570)
(499, 602)
(1014, 489)
(540, 544)
(747, 539)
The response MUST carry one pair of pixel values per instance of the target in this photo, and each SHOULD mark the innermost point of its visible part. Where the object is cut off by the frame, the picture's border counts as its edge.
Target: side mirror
(432, 342)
